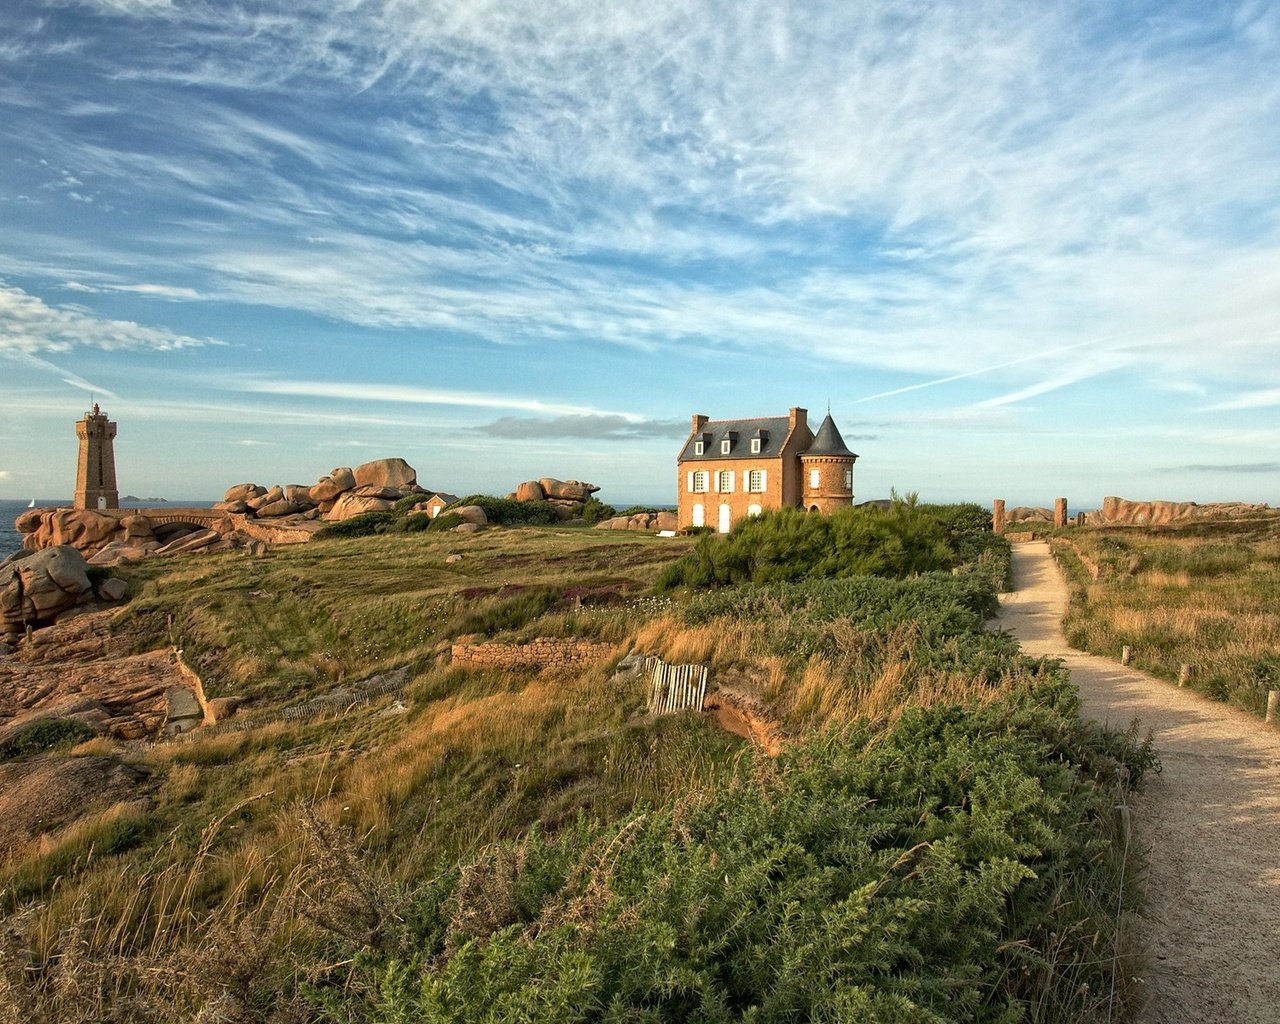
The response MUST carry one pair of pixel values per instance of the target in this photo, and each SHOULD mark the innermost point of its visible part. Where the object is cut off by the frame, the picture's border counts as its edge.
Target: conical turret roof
(827, 441)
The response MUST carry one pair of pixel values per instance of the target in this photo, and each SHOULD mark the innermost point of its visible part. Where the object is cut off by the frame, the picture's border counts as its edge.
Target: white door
(699, 515)
(724, 518)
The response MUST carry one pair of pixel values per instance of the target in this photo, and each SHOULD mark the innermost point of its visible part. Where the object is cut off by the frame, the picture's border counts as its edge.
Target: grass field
(369, 863)
(1203, 595)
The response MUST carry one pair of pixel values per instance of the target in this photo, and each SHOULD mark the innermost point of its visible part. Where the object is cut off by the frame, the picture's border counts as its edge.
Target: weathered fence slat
(674, 688)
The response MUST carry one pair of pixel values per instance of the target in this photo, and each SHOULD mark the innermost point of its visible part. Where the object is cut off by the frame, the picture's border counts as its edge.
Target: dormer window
(755, 446)
(725, 445)
(698, 447)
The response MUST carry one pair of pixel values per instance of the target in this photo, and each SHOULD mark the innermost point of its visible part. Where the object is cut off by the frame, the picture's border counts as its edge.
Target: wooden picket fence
(674, 688)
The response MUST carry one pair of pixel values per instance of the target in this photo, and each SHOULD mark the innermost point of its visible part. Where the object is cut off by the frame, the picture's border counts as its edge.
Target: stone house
(728, 469)
(438, 501)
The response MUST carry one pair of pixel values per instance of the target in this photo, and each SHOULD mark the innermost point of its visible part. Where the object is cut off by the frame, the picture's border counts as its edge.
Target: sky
(1020, 249)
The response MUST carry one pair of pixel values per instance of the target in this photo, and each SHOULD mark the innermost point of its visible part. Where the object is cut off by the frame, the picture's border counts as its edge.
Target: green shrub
(937, 872)
(596, 511)
(508, 512)
(45, 734)
(406, 503)
(445, 521)
(786, 545)
(364, 525)
(415, 523)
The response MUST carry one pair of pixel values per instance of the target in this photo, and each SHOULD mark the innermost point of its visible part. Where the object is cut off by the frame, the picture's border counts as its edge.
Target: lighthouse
(96, 469)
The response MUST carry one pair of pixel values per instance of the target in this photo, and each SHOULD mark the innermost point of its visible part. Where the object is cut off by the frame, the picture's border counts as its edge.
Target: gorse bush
(787, 545)
(916, 875)
(596, 511)
(508, 512)
(364, 525)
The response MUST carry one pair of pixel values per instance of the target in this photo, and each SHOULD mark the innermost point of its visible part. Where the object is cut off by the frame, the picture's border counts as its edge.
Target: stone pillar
(1059, 512)
(997, 516)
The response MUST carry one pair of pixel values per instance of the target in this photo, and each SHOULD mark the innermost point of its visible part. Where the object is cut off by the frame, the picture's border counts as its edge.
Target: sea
(11, 539)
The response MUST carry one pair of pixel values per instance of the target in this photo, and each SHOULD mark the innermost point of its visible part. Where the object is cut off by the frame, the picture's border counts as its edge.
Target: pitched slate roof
(444, 496)
(774, 430)
(827, 441)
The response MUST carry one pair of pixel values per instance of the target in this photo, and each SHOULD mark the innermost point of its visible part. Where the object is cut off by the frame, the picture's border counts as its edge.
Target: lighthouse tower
(96, 469)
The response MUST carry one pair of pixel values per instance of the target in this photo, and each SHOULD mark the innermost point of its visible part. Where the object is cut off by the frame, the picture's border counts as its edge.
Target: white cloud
(409, 395)
(927, 189)
(28, 325)
(1262, 399)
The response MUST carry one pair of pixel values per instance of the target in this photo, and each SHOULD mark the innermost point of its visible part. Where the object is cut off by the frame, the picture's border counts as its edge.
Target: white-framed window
(757, 481)
(755, 446)
(724, 481)
(815, 479)
(725, 445)
(697, 447)
(698, 481)
(848, 479)
(754, 510)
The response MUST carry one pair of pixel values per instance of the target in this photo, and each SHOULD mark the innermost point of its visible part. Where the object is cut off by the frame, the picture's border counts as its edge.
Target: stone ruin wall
(544, 652)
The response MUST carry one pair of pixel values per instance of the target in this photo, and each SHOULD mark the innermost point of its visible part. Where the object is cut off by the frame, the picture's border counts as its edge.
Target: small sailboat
(31, 503)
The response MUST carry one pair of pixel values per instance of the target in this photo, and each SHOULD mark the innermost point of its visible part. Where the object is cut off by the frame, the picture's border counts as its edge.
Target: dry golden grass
(1206, 596)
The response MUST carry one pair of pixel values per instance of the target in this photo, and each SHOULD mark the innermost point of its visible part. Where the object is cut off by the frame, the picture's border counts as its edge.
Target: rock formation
(649, 522)
(35, 590)
(567, 496)
(249, 517)
(1122, 512)
(81, 669)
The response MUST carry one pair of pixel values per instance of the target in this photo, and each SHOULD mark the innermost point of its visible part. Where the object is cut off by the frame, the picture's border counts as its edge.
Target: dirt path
(1211, 821)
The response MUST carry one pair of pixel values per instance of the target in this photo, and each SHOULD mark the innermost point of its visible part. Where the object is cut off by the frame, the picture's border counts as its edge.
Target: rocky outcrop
(472, 514)
(37, 589)
(566, 496)
(1029, 514)
(248, 516)
(644, 522)
(81, 669)
(393, 473)
(1122, 512)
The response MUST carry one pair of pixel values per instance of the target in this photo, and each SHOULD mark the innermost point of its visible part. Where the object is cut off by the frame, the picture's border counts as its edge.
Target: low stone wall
(544, 652)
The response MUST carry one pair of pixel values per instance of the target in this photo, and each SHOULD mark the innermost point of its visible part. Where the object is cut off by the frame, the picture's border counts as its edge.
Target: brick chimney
(798, 418)
(699, 421)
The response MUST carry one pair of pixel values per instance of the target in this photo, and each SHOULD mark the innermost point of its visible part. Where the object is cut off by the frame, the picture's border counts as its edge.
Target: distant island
(134, 497)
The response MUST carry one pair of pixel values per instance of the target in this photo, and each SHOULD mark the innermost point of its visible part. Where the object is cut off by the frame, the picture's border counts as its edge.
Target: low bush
(787, 545)
(364, 525)
(45, 734)
(596, 511)
(508, 512)
(415, 523)
(952, 868)
(445, 521)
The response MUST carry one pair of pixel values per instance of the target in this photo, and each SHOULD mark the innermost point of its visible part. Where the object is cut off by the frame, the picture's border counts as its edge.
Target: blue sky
(1022, 249)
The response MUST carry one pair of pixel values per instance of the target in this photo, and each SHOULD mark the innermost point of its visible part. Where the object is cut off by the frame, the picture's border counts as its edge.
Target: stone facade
(730, 469)
(96, 468)
(544, 652)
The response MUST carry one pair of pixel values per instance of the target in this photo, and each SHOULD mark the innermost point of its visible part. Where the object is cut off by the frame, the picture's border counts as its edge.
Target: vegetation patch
(45, 734)
(1204, 597)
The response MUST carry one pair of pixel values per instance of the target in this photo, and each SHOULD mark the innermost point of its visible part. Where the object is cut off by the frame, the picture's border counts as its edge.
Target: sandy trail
(1210, 821)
